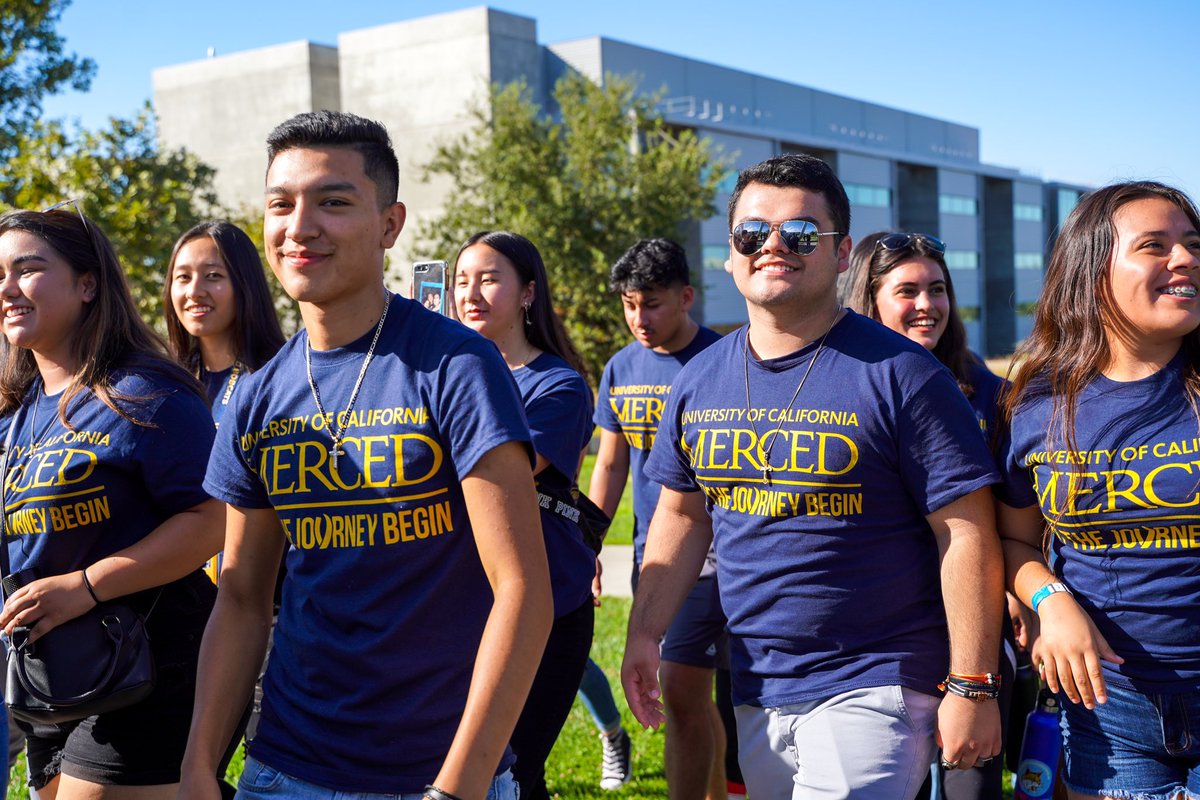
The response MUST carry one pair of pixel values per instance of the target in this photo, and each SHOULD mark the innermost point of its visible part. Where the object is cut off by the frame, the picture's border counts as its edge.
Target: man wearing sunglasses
(841, 475)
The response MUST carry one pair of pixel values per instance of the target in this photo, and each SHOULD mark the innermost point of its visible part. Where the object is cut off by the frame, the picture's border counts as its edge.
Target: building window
(727, 184)
(958, 204)
(962, 259)
(1026, 309)
(1067, 200)
(861, 194)
(1028, 261)
(714, 256)
(1028, 212)
(968, 313)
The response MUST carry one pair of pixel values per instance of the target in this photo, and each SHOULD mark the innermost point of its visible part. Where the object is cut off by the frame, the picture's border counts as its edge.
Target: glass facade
(1027, 212)
(861, 194)
(958, 204)
(1028, 261)
(962, 259)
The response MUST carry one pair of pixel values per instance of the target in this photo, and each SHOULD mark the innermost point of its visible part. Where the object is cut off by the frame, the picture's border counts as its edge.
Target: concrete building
(423, 77)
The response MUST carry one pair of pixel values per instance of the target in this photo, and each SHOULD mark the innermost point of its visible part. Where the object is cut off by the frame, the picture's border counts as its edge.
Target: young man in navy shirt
(386, 450)
(840, 475)
(656, 294)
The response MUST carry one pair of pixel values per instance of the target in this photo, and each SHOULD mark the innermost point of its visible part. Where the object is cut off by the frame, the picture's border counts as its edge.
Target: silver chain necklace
(749, 416)
(335, 448)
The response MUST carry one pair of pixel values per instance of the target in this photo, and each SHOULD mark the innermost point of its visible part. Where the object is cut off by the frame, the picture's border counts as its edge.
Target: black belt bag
(564, 499)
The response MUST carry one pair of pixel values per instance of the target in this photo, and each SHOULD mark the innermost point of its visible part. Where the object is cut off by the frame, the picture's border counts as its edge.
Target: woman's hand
(45, 604)
(1069, 650)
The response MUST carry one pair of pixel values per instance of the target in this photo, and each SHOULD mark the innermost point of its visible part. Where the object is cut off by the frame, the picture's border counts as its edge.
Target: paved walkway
(618, 566)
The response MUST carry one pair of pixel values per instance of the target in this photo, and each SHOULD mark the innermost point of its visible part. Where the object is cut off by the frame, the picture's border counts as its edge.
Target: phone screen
(429, 285)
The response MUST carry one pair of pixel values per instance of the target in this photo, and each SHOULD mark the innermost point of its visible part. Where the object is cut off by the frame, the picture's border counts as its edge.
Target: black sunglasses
(901, 241)
(800, 236)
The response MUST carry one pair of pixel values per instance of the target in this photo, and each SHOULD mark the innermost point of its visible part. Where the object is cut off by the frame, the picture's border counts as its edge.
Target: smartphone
(429, 285)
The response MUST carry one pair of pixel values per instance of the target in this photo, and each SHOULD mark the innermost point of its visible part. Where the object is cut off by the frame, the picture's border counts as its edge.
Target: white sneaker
(615, 768)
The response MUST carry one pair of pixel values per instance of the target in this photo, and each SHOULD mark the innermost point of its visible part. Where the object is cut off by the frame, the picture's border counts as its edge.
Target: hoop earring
(528, 321)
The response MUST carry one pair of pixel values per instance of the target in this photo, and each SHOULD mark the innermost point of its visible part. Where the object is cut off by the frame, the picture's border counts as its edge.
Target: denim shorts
(1136, 746)
(262, 782)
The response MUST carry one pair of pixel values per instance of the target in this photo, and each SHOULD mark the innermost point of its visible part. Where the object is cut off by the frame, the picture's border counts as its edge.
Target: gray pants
(869, 744)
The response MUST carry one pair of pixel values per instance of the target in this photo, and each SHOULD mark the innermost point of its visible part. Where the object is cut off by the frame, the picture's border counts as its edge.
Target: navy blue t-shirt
(385, 597)
(985, 398)
(1123, 508)
(220, 386)
(828, 573)
(74, 496)
(633, 394)
(558, 406)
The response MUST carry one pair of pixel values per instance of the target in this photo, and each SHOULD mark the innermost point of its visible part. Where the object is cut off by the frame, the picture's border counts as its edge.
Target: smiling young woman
(220, 320)
(1110, 378)
(107, 440)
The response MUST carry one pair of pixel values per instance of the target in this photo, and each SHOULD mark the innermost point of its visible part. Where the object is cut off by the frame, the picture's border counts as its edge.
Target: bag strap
(4, 562)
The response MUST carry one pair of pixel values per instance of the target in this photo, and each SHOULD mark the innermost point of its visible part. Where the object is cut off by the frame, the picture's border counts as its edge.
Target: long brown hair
(256, 333)
(545, 330)
(110, 334)
(869, 263)
(1069, 346)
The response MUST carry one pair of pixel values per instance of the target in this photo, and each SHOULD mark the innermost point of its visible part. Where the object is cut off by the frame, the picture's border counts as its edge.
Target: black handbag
(92, 664)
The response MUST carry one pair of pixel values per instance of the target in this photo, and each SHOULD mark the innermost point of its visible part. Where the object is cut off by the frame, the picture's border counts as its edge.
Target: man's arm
(973, 590)
(502, 504)
(235, 641)
(1068, 643)
(610, 472)
(676, 546)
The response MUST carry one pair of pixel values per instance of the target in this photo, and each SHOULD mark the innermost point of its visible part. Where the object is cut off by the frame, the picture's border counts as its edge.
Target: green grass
(621, 531)
(573, 769)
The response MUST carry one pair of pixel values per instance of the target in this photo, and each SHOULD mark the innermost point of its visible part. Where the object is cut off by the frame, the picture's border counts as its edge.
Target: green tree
(33, 65)
(140, 196)
(583, 185)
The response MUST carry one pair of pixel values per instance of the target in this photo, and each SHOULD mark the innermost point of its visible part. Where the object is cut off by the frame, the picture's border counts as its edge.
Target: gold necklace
(766, 455)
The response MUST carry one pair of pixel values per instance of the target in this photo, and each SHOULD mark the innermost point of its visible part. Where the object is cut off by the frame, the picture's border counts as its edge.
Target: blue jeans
(597, 698)
(1144, 746)
(261, 781)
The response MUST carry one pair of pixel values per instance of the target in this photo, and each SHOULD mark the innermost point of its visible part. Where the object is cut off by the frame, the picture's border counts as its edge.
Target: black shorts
(142, 744)
(697, 636)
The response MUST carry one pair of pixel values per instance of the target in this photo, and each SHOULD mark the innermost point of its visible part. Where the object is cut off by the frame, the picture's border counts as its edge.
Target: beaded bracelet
(977, 688)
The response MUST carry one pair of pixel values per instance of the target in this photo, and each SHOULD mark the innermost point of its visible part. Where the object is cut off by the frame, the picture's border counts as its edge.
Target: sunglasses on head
(800, 236)
(901, 241)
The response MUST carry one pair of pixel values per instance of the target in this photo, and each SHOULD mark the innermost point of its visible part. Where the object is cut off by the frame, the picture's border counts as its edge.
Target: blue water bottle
(1039, 751)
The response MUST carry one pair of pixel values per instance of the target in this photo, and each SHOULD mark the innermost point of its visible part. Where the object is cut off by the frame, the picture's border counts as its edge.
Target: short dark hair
(799, 171)
(340, 129)
(650, 264)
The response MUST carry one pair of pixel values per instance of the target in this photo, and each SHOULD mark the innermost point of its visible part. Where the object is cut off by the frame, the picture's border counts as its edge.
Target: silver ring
(950, 764)
(983, 762)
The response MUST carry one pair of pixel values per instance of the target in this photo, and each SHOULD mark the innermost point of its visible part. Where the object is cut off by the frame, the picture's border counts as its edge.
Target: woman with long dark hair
(501, 290)
(108, 440)
(902, 281)
(1101, 456)
(220, 320)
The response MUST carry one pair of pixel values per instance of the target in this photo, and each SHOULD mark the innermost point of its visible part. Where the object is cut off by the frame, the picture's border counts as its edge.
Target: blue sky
(1085, 92)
